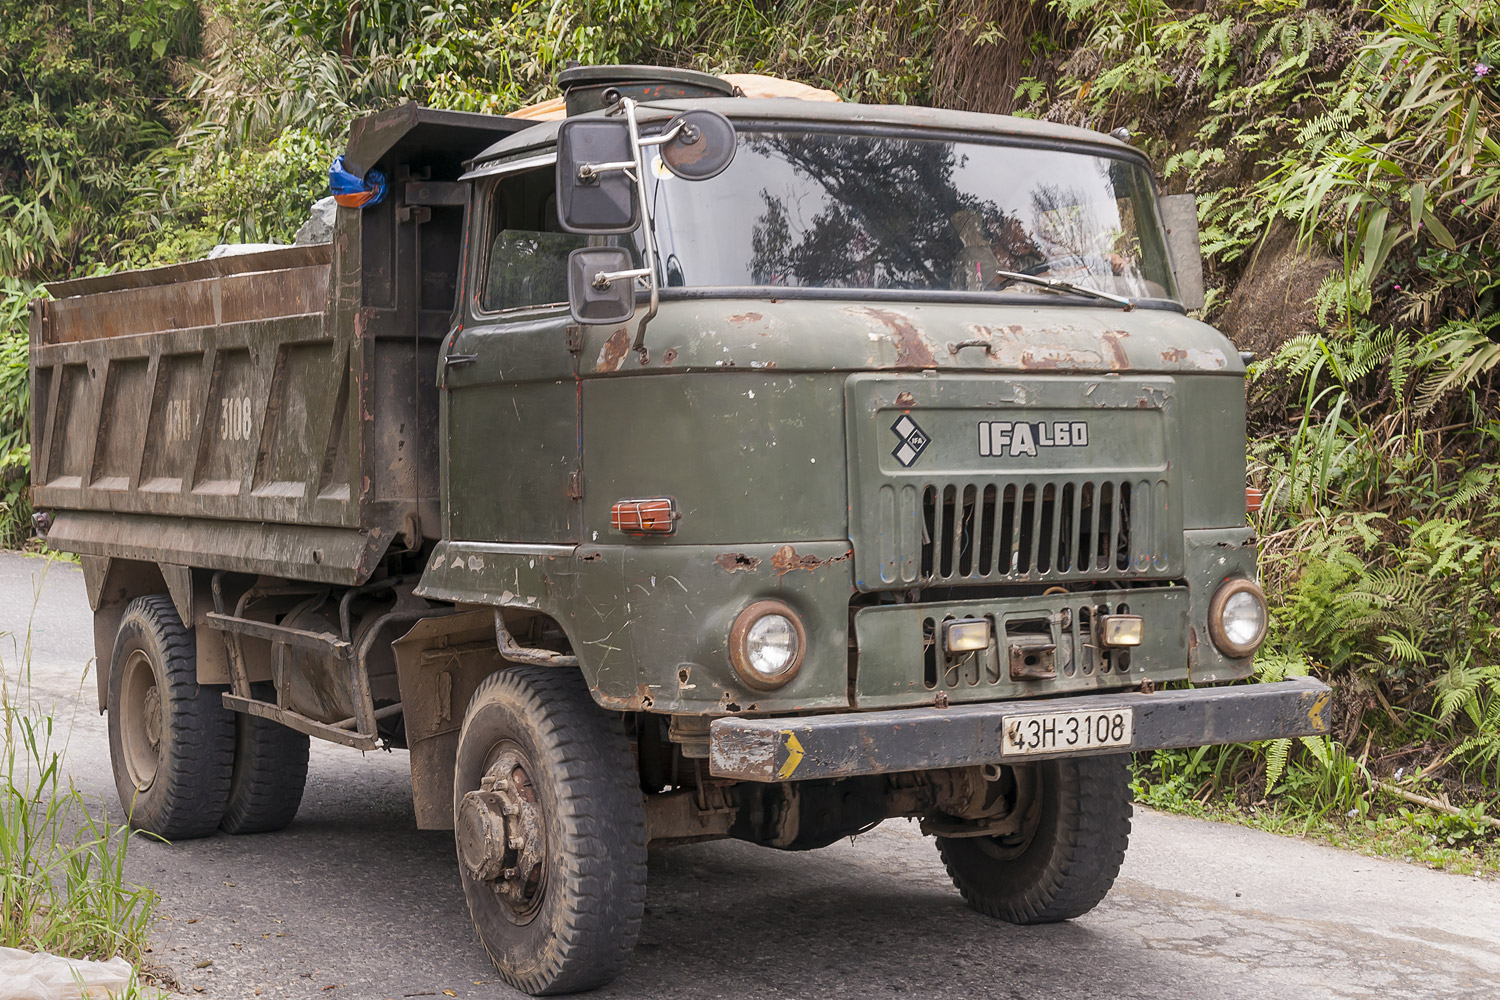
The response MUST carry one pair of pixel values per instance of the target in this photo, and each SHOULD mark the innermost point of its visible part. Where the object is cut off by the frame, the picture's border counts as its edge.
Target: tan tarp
(545, 111)
(755, 85)
(751, 84)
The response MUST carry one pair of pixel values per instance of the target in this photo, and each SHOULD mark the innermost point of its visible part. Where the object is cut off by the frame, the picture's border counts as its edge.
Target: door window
(527, 262)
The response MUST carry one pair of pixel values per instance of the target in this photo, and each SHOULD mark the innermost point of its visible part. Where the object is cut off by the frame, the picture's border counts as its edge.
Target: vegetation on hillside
(1348, 178)
(1352, 146)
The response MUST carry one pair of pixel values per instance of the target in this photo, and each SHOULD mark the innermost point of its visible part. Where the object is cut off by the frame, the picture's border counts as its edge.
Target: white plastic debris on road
(26, 975)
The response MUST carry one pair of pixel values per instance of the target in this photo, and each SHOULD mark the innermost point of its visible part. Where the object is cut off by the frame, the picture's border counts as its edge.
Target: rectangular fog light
(1121, 630)
(966, 635)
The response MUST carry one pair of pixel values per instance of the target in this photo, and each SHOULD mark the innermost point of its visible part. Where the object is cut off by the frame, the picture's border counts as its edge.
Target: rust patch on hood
(742, 318)
(1209, 360)
(786, 560)
(737, 562)
(905, 399)
(1117, 350)
(612, 354)
(1014, 346)
(1050, 358)
(912, 349)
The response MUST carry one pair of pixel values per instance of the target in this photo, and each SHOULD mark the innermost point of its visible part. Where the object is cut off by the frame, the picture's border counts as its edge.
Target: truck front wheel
(550, 828)
(1074, 825)
(171, 741)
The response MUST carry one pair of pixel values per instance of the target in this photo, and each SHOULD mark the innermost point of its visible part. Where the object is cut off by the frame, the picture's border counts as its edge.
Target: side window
(527, 264)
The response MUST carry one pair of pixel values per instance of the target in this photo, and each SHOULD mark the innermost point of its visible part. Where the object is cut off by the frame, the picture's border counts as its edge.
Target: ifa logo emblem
(913, 442)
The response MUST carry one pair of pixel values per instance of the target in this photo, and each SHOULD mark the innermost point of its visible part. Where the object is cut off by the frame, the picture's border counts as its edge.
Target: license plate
(1062, 731)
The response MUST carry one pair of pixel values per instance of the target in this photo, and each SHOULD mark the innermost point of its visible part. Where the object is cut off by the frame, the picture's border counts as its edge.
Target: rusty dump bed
(273, 412)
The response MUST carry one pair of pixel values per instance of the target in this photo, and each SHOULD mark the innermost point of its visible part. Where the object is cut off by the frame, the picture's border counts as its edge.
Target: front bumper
(921, 739)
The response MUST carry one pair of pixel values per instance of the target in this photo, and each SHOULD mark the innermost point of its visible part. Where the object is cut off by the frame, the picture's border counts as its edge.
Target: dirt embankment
(1273, 301)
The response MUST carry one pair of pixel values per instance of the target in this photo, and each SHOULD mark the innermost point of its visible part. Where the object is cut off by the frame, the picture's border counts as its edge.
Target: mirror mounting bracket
(648, 244)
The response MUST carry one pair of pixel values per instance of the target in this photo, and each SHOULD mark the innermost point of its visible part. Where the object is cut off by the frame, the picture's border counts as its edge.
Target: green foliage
(1324, 781)
(1382, 533)
(254, 195)
(1474, 690)
(1403, 148)
(15, 412)
(64, 887)
(1444, 829)
(83, 100)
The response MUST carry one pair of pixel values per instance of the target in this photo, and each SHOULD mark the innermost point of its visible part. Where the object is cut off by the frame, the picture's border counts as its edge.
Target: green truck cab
(695, 466)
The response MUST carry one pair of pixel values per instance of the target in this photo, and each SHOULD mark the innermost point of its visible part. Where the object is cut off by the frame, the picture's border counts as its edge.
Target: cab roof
(790, 111)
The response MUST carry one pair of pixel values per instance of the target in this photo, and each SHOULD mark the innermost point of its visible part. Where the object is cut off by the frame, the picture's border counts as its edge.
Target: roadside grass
(63, 887)
(1225, 784)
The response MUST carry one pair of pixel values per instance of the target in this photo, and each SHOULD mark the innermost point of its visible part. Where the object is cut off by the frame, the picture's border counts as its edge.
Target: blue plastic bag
(353, 191)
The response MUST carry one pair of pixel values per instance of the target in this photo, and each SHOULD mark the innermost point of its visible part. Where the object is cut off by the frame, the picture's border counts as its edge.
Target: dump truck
(690, 466)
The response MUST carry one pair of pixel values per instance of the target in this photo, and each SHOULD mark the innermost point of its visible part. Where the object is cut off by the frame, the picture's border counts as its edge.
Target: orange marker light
(1253, 499)
(657, 516)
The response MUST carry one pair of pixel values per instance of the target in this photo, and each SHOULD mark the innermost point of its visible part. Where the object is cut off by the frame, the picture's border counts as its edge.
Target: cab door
(511, 468)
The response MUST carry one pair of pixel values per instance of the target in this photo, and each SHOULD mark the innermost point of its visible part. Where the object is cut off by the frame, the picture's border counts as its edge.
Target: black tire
(270, 772)
(577, 929)
(1064, 863)
(171, 740)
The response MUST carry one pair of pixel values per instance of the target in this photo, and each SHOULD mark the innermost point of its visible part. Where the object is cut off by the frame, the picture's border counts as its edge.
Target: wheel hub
(153, 723)
(142, 720)
(1025, 811)
(501, 839)
(481, 835)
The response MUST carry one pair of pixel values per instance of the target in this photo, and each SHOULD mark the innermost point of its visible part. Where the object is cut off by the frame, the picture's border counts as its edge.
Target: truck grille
(961, 532)
(932, 504)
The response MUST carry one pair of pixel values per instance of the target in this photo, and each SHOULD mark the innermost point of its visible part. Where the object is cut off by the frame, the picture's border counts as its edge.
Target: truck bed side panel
(223, 397)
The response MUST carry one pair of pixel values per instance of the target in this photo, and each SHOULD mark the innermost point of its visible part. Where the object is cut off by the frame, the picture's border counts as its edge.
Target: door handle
(450, 360)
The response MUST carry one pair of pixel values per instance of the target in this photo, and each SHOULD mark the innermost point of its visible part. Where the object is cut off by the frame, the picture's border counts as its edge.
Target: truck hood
(797, 334)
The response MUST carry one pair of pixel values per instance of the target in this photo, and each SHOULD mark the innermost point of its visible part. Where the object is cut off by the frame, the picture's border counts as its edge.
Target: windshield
(822, 210)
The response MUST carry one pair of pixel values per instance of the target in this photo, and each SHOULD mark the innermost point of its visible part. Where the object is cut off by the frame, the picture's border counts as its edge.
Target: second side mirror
(601, 285)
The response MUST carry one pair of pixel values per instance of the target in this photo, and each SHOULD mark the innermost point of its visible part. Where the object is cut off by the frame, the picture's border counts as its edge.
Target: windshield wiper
(1058, 285)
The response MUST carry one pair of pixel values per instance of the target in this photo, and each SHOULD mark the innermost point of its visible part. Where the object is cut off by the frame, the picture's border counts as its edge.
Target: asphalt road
(352, 901)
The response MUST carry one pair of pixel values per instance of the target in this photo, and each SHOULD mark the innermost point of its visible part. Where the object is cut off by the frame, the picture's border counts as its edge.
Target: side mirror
(595, 158)
(594, 193)
(701, 145)
(1179, 214)
(601, 285)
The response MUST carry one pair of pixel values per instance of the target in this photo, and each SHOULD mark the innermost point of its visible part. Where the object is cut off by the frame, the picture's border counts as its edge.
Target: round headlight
(766, 644)
(1237, 618)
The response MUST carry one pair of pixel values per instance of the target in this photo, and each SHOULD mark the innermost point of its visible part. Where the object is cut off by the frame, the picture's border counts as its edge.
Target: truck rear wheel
(270, 772)
(171, 741)
(1075, 824)
(550, 826)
